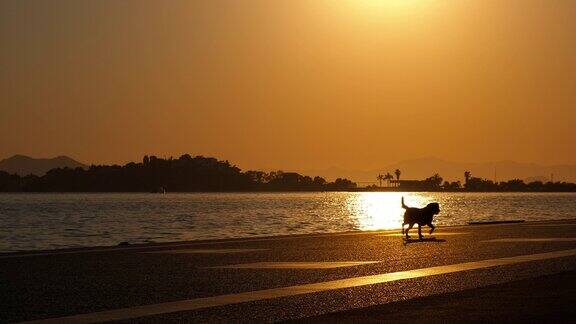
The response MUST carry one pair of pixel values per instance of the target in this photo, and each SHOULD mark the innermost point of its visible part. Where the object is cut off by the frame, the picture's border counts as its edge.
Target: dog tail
(403, 204)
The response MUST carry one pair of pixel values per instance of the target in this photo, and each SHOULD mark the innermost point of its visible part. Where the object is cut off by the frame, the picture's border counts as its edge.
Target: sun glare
(387, 4)
(378, 210)
(387, 10)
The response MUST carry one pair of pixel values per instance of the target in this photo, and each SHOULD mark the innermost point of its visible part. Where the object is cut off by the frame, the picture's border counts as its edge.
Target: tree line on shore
(153, 174)
(207, 174)
(480, 184)
(473, 184)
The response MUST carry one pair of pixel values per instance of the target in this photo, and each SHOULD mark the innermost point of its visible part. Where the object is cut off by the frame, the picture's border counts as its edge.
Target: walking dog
(420, 216)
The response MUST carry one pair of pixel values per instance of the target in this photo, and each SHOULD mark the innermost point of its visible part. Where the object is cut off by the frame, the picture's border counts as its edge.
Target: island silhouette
(208, 174)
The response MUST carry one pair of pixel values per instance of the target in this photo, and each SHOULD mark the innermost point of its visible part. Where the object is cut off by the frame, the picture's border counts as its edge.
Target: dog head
(434, 208)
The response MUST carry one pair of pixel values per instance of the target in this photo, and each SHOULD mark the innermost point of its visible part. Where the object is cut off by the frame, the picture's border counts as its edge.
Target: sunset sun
(387, 4)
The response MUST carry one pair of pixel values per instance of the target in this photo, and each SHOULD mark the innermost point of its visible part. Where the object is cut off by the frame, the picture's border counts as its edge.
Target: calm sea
(50, 221)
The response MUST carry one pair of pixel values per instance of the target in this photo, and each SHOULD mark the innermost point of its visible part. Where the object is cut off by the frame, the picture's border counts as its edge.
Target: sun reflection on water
(381, 210)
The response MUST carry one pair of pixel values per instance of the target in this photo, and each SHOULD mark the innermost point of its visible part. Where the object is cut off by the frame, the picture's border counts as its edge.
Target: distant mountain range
(25, 165)
(425, 167)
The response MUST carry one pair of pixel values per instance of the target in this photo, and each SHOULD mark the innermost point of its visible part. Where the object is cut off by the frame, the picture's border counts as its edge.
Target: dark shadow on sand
(423, 240)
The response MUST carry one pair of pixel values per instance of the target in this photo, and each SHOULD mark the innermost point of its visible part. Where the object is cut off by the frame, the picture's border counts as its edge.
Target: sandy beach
(292, 277)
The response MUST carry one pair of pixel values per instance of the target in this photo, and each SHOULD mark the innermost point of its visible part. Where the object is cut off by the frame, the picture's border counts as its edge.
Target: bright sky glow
(293, 85)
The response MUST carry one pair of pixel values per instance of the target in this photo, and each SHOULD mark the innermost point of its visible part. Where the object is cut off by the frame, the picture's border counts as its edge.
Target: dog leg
(420, 231)
(432, 227)
(409, 227)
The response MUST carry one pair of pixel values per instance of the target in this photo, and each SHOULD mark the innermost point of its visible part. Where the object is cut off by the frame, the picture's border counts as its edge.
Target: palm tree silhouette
(380, 178)
(388, 177)
(398, 173)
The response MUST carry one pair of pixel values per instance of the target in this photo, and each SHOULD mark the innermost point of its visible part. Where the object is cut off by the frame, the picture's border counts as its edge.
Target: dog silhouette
(420, 216)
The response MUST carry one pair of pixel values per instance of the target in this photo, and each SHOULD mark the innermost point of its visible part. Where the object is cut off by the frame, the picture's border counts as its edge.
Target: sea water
(51, 221)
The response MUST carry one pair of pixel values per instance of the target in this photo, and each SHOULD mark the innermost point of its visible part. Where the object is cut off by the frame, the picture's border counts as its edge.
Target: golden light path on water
(382, 210)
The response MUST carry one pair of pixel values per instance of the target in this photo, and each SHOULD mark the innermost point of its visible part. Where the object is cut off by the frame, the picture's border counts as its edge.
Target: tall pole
(494, 174)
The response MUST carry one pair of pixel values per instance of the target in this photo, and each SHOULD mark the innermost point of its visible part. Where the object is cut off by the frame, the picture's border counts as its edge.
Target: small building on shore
(410, 184)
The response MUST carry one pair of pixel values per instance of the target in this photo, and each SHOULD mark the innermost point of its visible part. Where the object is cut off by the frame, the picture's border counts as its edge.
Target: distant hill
(425, 167)
(25, 165)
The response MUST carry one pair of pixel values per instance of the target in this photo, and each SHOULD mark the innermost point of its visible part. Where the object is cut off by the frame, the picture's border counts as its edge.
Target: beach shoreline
(280, 278)
(122, 246)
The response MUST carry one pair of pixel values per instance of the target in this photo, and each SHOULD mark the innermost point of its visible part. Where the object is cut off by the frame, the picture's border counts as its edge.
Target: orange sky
(289, 84)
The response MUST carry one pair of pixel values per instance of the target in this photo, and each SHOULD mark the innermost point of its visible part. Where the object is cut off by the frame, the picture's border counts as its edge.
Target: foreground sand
(333, 276)
(543, 299)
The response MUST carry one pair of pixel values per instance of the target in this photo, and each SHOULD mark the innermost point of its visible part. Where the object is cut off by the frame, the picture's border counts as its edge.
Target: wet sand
(346, 276)
(543, 299)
